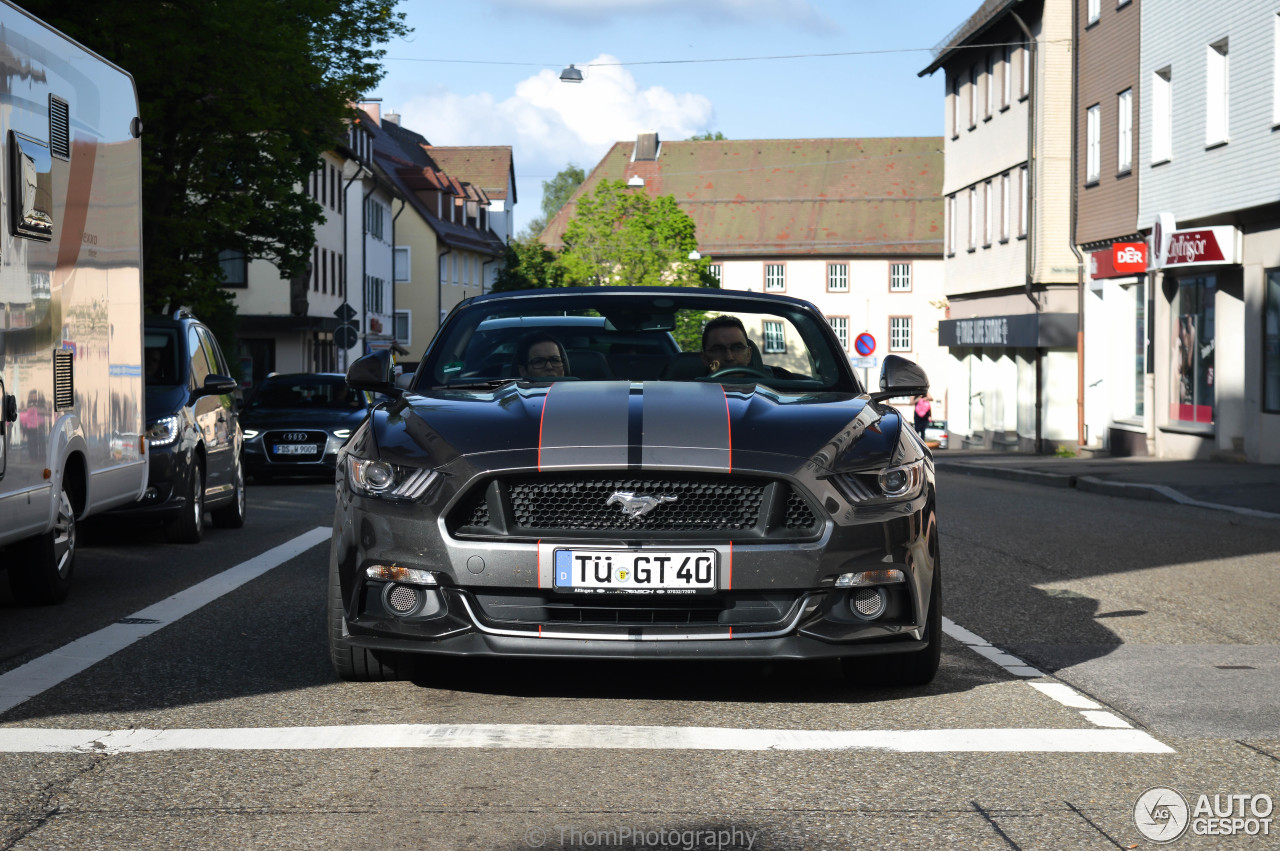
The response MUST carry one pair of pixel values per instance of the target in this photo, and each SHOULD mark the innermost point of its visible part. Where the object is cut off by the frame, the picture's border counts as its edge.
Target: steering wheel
(750, 371)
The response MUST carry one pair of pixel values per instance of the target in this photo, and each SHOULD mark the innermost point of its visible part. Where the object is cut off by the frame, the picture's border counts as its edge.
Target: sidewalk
(1252, 489)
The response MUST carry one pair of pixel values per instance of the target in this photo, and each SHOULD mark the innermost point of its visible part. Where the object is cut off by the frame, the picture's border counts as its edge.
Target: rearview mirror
(901, 377)
(373, 372)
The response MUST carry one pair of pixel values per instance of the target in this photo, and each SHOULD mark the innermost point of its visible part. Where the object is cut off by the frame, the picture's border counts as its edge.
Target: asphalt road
(1131, 645)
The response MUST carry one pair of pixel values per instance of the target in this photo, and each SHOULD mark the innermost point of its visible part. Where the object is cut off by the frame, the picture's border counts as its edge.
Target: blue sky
(500, 82)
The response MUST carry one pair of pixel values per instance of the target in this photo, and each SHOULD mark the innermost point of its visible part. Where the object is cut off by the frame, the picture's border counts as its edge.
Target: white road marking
(1105, 719)
(51, 669)
(576, 736)
(1065, 695)
(982, 647)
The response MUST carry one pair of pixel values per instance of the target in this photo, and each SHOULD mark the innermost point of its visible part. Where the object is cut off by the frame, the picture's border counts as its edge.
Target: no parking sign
(865, 344)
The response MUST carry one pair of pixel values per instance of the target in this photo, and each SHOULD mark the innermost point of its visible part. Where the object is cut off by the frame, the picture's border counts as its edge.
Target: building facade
(1208, 156)
(852, 225)
(1011, 272)
(1115, 302)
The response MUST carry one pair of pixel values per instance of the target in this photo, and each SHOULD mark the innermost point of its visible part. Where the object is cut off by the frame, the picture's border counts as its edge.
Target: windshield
(614, 336)
(161, 358)
(306, 391)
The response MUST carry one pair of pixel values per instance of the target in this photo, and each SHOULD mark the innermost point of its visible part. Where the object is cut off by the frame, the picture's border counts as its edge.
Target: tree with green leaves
(239, 100)
(528, 265)
(621, 236)
(709, 136)
(555, 194)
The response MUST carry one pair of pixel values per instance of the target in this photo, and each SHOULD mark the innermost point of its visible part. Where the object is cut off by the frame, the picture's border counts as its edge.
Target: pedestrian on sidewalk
(923, 408)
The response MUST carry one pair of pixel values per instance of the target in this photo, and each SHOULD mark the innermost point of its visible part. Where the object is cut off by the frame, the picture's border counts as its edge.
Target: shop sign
(1197, 247)
(1120, 260)
(1017, 331)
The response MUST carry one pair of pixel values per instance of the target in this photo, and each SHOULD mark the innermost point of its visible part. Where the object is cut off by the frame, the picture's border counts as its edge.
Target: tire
(916, 668)
(40, 567)
(232, 516)
(188, 528)
(351, 663)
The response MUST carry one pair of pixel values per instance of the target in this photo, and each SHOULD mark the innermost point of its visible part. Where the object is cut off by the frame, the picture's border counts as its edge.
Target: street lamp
(571, 75)
(694, 255)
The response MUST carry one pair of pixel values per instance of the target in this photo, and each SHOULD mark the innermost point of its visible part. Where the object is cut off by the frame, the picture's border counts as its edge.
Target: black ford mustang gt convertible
(636, 472)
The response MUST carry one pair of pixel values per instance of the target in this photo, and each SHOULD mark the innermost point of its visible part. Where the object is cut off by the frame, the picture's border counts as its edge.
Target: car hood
(263, 418)
(692, 425)
(165, 400)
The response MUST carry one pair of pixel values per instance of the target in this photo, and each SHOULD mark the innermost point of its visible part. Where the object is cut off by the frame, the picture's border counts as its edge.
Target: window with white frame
(1024, 205)
(987, 217)
(1162, 115)
(840, 324)
(1025, 83)
(1004, 207)
(973, 96)
(402, 264)
(899, 333)
(1217, 88)
(775, 342)
(1006, 77)
(988, 79)
(1124, 131)
(955, 106)
(775, 276)
(951, 224)
(1093, 144)
(717, 271)
(900, 277)
(404, 327)
(838, 277)
(1095, 11)
(973, 218)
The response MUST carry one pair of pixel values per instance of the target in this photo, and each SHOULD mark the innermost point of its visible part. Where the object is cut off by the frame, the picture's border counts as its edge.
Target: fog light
(402, 599)
(869, 603)
(391, 573)
(870, 577)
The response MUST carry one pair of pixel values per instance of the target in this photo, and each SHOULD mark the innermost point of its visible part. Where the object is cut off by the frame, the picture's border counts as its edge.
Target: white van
(72, 439)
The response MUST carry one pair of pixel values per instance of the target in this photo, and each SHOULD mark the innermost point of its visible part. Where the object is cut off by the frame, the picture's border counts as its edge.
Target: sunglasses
(539, 363)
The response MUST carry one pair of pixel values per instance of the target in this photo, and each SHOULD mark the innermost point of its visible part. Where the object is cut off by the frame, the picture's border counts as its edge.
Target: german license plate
(636, 571)
(297, 449)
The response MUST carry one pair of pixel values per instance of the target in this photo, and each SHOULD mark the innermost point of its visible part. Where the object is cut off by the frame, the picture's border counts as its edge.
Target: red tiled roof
(487, 166)
(792, 196)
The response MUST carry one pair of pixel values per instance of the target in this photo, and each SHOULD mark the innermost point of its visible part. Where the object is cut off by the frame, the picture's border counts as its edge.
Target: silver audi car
(640, 473)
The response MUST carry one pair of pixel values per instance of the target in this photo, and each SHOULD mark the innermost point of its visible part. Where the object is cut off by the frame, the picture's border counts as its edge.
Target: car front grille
(738, 609)
(280, 446)
(669, 506)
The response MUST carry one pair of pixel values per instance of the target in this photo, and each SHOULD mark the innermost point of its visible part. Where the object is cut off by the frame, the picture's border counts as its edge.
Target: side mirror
(372, 372)
(218, 385)
(901, 377)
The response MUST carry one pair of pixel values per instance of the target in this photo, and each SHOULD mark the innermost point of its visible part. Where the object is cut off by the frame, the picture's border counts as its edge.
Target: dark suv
(193, 431)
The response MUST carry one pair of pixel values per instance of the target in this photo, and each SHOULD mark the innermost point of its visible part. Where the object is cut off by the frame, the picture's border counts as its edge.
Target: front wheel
(351, 663)
(916, 668)
(189, 525)
(40, 567)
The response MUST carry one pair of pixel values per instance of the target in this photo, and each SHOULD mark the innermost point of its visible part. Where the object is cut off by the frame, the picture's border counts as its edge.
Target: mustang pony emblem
(636, 505)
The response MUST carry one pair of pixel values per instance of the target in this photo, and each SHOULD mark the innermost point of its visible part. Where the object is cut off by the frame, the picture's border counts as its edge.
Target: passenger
(725, 344)
(540, 356)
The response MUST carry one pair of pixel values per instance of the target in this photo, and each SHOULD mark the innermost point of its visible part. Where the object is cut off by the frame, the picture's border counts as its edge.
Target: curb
(1092, 484)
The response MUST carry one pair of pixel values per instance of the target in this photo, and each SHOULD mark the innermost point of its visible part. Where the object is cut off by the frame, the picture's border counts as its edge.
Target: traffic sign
(345, 335)
(865, 344)
(345, 313)
(864, 363)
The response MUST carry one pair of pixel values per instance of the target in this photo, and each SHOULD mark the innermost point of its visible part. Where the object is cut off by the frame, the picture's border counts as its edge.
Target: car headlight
(888, 485)
(250, 433)
(162, 432)
(342, 433)
(375, 478)
(901, 482)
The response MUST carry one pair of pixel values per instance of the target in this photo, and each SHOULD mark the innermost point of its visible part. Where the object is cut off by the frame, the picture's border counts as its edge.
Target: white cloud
(799, 13)
(550, 124)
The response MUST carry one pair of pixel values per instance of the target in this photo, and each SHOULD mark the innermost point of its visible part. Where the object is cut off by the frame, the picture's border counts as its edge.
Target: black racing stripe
(585, 425)
(635, 428)
(686, 424)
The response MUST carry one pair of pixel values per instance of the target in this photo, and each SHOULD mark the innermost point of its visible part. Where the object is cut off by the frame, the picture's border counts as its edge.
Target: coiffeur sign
(1195, 247)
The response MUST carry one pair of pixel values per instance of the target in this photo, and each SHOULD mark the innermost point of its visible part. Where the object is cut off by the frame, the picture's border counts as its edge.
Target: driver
(725, 345)
(541, 357)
